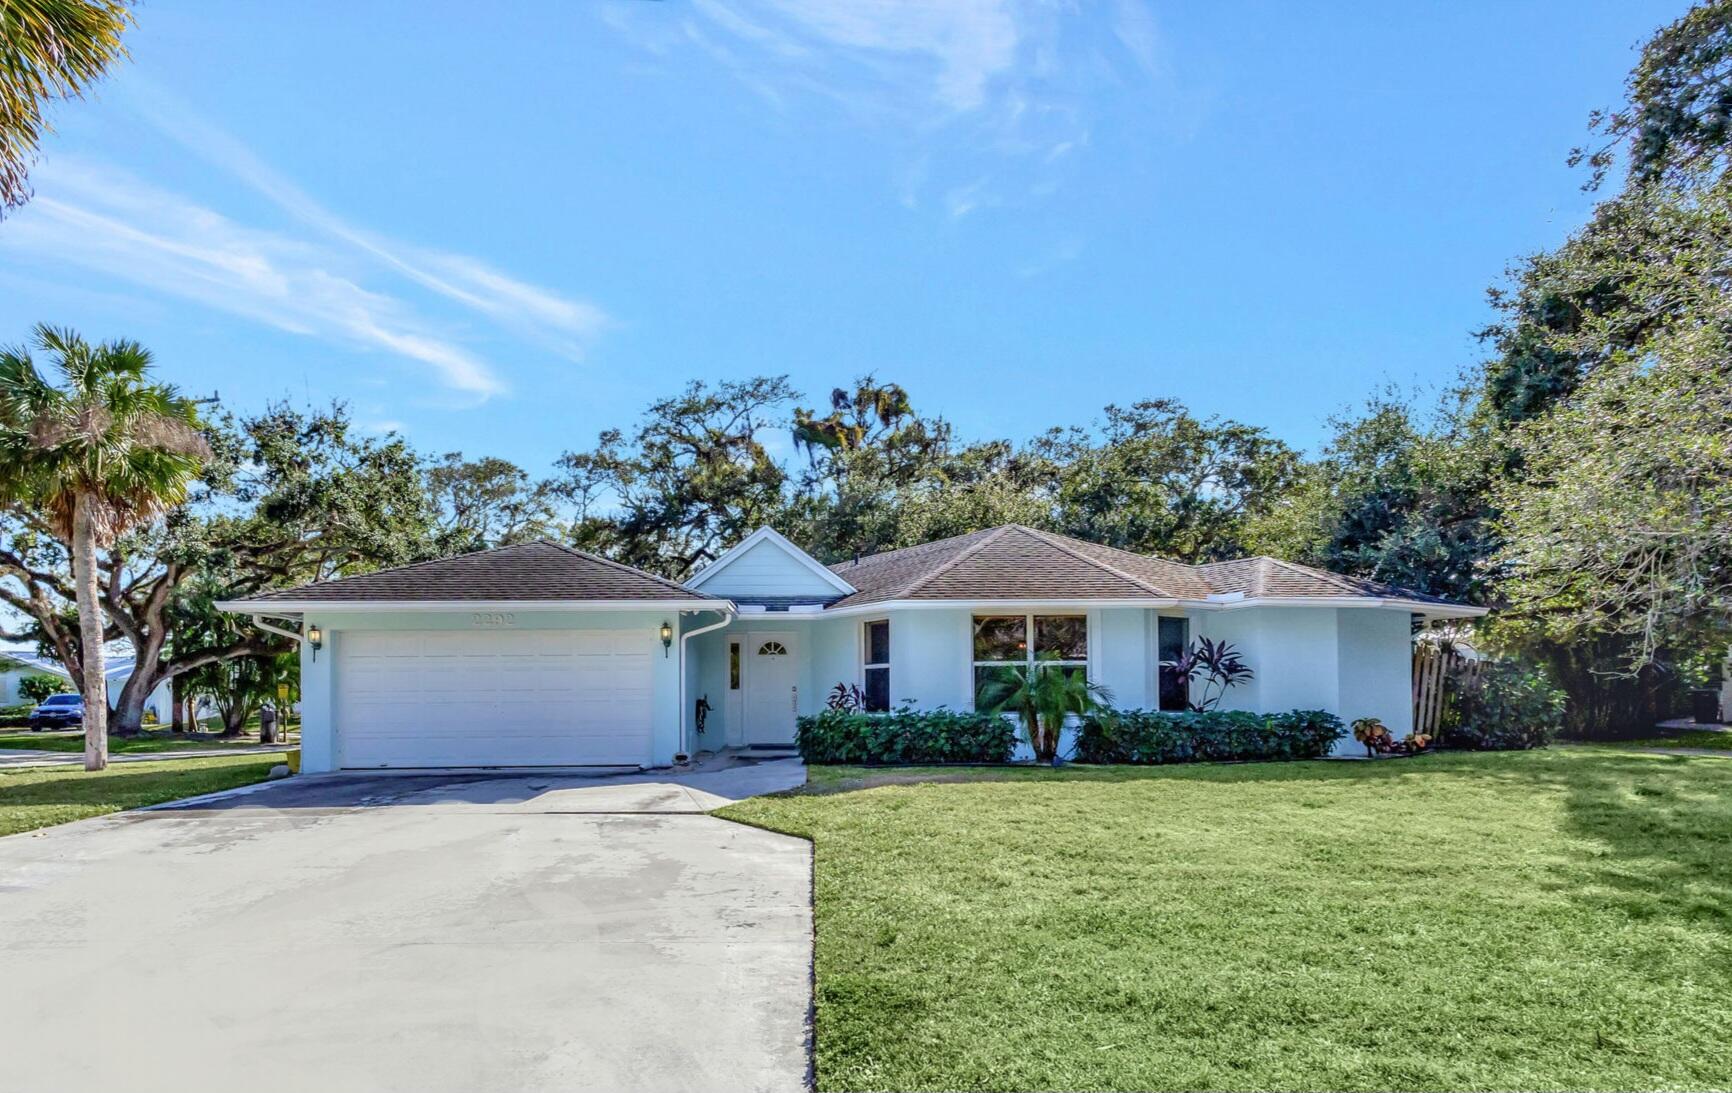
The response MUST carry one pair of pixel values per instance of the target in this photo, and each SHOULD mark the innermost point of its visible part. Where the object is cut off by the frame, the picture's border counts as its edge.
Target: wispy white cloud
(104, 220)
(942, 80)
(1135, 27)
(529, 309)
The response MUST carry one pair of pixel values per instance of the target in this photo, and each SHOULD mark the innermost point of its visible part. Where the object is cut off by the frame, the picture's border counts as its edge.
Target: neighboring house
(542, 655)
(17, 664)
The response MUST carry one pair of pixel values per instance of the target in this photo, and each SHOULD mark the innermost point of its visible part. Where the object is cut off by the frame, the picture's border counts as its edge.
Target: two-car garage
(456, 698)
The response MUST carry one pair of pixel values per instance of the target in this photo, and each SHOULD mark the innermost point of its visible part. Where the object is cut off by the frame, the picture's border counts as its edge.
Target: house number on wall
(493, 620)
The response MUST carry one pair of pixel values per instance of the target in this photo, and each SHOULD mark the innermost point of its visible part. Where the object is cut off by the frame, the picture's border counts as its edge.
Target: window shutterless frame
(1028, 642)
(1172, 638)
(875, 663)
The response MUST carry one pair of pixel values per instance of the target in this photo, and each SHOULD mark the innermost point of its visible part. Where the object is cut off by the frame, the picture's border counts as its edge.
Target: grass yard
(43, 796)
(1545, 920)
(1683, 738)
(148, 742)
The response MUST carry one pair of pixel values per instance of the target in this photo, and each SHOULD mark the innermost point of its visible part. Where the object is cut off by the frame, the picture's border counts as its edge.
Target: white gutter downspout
(259, 621)
(728, 615)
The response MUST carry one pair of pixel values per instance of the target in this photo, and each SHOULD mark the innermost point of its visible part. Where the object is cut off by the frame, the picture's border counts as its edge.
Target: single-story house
(543, 655)
(18, 664)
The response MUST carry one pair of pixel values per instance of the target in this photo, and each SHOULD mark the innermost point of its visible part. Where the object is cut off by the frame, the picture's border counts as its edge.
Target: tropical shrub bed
(1509, 707)
(1148, 736)
(905, 736)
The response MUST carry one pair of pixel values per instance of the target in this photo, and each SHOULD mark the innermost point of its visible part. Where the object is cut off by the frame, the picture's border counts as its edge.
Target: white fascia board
(1435, 610)
(766, 532)
(302, 607)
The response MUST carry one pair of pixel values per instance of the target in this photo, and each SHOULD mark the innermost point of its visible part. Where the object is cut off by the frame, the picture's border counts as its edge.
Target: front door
(772, 674)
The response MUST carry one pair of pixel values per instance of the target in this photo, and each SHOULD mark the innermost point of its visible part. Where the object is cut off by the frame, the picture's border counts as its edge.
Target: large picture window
(1007, 644)
(876, 662)
(1174, 637)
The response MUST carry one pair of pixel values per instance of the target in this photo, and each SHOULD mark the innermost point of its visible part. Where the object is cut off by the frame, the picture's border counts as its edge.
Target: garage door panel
(526, 698)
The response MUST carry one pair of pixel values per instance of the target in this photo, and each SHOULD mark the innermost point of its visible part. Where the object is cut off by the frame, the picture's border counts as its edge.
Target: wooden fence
(1437, 673)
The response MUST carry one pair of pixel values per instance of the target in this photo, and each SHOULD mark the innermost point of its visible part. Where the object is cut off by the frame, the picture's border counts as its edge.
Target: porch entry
(772, 676)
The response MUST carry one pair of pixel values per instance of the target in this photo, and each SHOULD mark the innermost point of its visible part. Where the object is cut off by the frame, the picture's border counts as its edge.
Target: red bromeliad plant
(1218, 663)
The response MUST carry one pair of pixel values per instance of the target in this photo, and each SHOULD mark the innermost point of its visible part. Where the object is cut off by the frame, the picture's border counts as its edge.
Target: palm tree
(105, 453)
(49, 49)
(1043, 698)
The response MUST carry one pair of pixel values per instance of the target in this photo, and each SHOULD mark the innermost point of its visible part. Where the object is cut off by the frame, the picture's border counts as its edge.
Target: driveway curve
(425, 933)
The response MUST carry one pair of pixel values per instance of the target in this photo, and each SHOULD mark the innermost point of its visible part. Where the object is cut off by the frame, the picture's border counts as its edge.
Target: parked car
(57, 712)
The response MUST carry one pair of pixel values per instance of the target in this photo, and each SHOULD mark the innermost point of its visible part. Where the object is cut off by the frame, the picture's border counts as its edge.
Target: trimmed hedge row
(1148, 736)
(906, 736)
(1130, 736)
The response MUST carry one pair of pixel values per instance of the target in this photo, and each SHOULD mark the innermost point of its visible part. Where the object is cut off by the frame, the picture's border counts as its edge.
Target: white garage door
(432, 698)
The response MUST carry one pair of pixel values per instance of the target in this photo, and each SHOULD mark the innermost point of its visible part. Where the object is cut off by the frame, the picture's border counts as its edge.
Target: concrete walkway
(427, 932)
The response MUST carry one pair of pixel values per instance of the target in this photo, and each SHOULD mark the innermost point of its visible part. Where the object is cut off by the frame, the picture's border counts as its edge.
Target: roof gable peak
(778, 540)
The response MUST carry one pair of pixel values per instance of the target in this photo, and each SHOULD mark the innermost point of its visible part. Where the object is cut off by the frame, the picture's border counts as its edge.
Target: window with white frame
(875, 664)
(1006, 645)
(1173, 638)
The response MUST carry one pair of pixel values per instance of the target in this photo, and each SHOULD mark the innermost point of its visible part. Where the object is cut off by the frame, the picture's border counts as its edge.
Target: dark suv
(57, 712)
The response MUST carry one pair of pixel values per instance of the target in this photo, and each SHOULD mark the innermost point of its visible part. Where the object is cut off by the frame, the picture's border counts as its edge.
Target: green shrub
(1149, 736)
(1509, 707)
(37, 688)
(906, 736)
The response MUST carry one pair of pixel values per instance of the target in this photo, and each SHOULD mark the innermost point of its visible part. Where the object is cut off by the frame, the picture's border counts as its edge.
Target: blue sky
(502, 228)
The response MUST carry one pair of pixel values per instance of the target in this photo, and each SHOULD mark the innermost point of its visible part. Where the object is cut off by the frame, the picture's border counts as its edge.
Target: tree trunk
(176, 705)
(234, 716)
(129, 711)
(95, 684)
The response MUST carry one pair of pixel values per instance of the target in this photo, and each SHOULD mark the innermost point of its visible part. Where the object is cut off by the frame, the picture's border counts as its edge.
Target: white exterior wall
(932, 658)
(834, 652)
(318, 723)
(1122, 655)
(1376, 659)
(1245, 629)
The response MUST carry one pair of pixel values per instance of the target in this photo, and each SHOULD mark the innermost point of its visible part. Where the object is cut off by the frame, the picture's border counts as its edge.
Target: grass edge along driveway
(37, 797)
(1545, 920)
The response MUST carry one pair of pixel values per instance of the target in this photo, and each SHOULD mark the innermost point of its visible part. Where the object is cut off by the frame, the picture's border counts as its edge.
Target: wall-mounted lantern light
(667, 637)
(315, 638)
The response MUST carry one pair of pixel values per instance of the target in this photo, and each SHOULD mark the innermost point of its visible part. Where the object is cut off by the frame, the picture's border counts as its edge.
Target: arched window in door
(772, 649)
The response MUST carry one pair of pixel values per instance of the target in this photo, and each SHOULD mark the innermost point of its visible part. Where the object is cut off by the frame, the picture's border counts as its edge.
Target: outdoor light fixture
(667, 637)
(315, 638)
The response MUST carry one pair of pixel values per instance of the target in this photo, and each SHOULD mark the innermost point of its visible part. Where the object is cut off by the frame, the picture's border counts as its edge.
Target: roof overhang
(1059, 603)
(295, 608)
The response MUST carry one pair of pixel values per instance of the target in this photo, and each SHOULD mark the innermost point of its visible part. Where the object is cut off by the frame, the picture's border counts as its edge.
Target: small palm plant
(108, 451)
(1043, 698)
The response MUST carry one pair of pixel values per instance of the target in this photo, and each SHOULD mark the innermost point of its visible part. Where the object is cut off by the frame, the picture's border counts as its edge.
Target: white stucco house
(543, 655)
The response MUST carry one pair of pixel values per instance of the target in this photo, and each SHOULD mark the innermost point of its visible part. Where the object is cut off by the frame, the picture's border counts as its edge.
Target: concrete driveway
(448, 932)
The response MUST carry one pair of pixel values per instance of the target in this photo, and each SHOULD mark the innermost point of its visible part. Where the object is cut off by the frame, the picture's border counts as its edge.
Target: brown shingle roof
(540, 570)
(1265, 576)
(1013, 562)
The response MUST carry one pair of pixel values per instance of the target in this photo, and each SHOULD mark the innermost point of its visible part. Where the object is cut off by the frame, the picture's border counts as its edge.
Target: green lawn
(147, 742)
(1545, 920)
(1684, 738)
(54, 795)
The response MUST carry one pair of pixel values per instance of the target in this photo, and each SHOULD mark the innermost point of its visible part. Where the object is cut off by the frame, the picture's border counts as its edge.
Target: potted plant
(1043, 699)
(1375, 735)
